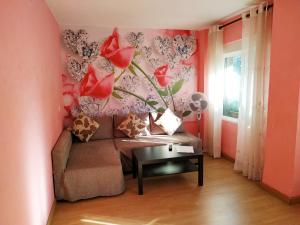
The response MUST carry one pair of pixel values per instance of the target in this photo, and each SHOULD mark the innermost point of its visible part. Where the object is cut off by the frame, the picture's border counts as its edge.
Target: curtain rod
(240, 18)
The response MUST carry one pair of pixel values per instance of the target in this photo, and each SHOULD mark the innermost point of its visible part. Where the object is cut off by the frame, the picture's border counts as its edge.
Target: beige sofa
(96, 168)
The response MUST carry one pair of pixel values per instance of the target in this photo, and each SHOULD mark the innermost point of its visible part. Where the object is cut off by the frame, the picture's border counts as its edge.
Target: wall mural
(119, 71)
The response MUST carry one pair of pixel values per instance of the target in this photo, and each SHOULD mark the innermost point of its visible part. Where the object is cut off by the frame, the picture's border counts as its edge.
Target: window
(232, 76)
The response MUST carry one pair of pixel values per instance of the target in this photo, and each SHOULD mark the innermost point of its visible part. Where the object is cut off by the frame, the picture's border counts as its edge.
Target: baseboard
(228, 157)
(278, 194)
(51, 214)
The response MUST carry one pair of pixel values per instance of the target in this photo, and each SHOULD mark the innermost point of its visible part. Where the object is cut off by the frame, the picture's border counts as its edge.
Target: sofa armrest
(60, 155)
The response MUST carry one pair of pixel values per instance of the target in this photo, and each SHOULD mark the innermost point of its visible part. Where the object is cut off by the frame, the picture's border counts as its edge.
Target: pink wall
(202, 39)
(232, 32)
(30, 114)
(281, 164)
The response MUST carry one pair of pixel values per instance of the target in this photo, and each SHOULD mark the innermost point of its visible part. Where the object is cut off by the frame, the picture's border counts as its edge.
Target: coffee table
(160, 161)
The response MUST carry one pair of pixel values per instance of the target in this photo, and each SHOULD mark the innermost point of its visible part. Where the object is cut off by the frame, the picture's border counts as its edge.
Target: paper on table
(184, 149)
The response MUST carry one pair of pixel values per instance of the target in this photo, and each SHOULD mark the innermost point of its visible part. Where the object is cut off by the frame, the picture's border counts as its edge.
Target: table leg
(133, 166)
(140, 178)
(200, 170)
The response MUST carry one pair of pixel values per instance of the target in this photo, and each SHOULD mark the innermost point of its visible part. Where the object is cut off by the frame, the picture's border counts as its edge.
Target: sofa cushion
(180, 129)
(93, 154)
(125, 145)
(156, 129)
(169, 122)
(145, 118)
(132, 126)
(105, 130)
(118, 119)
(94, 169)
(84, 127)
(186, 138)
(60, 155)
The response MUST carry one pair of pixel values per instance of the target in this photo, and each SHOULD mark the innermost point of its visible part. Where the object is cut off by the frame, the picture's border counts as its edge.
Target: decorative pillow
(169, 122)
(154, 128)
(84, 127)
(132, 126)
(180, 129)
(145, 118)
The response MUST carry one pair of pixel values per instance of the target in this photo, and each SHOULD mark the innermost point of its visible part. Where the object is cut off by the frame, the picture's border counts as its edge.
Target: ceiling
(172, 14)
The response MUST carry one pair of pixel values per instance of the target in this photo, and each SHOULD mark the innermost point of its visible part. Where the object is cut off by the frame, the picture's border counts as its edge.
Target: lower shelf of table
(169, 168)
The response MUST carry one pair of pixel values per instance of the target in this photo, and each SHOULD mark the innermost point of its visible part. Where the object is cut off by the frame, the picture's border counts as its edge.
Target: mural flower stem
(170, 92)
(118, 77)
(149, 79)
(138, 97)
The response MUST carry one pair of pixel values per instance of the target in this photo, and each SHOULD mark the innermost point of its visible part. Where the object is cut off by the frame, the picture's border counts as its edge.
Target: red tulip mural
(161, 75)
(91, 86)
(120, 57)
(125, 59)
(69, 94)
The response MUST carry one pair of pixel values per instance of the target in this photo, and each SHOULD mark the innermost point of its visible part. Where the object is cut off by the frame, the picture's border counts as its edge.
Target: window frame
(226, 55)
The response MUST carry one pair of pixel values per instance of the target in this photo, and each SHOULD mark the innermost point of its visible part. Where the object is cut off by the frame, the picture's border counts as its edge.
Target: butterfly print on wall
(71, 39)
(77, 68)
(135, 39)
(163, 45)
(184, 46)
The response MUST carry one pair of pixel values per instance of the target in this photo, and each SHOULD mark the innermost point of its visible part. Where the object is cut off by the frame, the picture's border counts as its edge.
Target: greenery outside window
(232, 77)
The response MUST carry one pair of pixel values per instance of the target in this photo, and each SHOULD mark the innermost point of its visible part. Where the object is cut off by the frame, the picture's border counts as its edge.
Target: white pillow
(169, 122)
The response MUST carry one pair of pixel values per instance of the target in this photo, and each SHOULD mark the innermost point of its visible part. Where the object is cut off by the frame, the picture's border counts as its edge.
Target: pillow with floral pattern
(132, 126)
(84, 127)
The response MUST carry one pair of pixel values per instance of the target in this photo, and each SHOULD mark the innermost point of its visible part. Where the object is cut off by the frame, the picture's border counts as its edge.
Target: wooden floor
(227, 198)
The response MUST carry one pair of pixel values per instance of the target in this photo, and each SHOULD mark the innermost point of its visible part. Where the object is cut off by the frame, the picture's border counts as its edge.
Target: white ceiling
(172, 14)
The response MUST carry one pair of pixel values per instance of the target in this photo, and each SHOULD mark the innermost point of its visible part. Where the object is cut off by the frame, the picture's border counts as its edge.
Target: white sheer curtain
(214, 90)
(256, 39)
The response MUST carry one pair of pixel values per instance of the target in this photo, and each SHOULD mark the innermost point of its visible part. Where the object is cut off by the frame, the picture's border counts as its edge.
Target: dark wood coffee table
(159, 161)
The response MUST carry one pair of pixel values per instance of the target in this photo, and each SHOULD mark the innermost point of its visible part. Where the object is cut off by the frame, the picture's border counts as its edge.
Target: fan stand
(198, 123)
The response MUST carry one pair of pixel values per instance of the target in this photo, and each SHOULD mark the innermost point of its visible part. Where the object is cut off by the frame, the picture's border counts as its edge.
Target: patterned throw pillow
(132, 126)
(84, 127)
(154, 128)
(169, 122)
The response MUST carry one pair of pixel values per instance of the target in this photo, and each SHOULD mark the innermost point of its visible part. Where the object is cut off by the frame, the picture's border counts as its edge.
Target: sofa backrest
(117, 121)
(105, 130)
(60, 155)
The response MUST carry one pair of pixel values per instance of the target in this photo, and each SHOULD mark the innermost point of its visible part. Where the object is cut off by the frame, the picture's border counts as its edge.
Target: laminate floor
(227, 198)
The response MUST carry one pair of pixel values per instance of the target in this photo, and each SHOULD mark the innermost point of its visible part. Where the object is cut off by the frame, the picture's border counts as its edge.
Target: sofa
(97, 168)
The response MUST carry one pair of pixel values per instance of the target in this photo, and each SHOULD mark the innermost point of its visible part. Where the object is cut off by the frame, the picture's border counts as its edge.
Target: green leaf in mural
(131, 69)
(151, 102)
(186, 113)
(116, 95)
(163, 92)
(161, 110)
(177, 86)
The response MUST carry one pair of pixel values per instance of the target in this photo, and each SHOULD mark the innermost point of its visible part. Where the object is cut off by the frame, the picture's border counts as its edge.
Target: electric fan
(198, 104)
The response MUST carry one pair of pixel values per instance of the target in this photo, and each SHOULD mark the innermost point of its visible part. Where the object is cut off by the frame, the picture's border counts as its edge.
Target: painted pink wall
(232, 32)
(202, 39)
(281, 164)
(30, 114)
